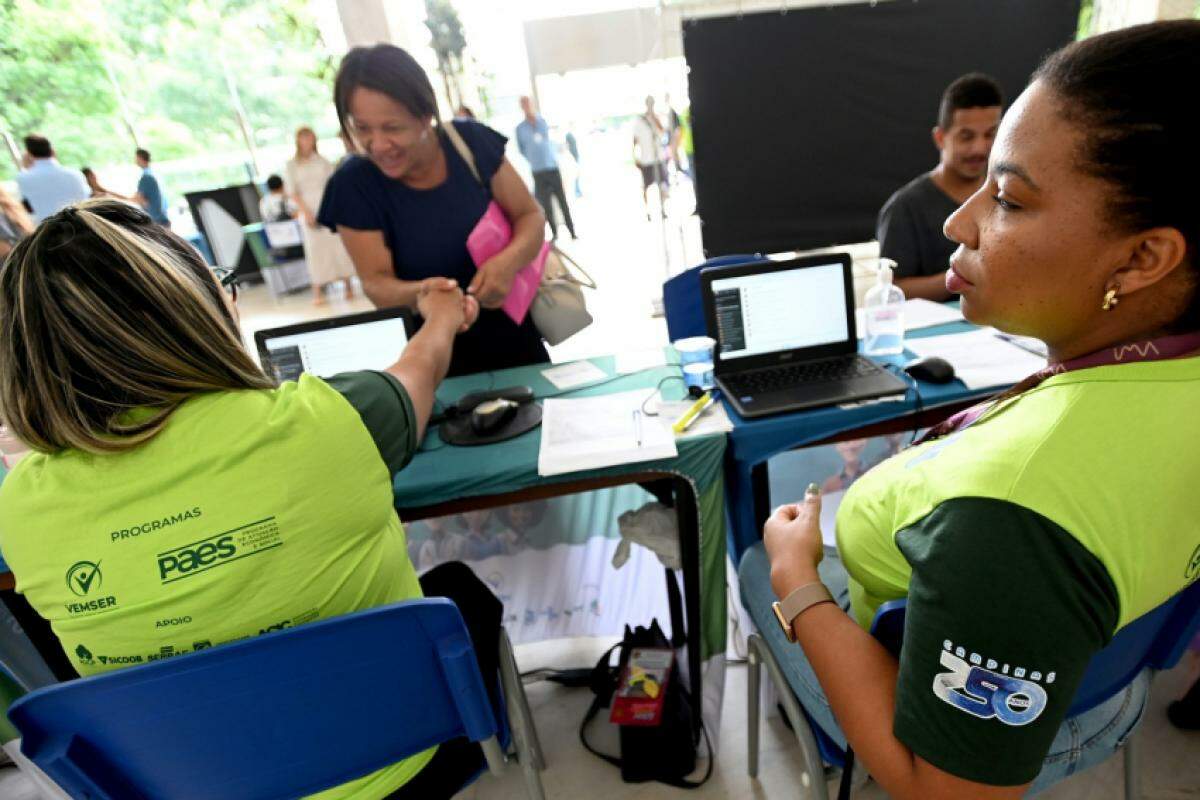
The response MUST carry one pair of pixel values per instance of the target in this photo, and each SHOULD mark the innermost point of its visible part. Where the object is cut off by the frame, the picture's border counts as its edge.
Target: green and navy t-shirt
(1023, 543)
(250, 512)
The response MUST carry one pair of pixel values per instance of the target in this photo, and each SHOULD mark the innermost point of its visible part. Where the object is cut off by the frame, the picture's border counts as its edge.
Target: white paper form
(980, 358)
(594, 432)
(918, 313)
(577, 373)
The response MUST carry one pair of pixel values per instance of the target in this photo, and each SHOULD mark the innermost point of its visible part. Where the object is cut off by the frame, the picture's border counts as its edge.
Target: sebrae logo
(83, 577)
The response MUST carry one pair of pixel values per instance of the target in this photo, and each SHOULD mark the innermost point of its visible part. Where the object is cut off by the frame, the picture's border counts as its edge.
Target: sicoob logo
(83, 577)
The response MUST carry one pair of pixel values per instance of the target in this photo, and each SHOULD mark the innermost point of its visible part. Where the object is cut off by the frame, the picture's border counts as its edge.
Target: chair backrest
(682, 304)
(280, 715)
(1156, 639)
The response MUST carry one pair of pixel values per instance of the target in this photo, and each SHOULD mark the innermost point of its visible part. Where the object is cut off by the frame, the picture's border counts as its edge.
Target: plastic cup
(699, 374)
(695, 350)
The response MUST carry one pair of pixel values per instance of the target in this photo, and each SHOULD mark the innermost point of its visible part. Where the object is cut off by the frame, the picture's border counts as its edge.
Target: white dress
(326, 255)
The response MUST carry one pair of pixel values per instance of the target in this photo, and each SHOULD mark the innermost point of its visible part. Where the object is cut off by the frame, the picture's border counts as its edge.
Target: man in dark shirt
(910, 224)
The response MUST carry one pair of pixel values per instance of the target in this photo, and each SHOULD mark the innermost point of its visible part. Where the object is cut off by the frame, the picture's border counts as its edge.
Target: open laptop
(370, 340)
(786, 336)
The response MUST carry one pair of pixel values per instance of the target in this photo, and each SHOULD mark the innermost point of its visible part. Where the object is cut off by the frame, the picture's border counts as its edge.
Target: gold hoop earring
(1110, 299)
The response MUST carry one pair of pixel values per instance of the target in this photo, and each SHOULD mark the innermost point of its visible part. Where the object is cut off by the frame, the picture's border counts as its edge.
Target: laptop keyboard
(764, 381)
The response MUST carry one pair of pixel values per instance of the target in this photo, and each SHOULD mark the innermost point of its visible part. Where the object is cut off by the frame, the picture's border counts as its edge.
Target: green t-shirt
(250, 512)
(1023, 543)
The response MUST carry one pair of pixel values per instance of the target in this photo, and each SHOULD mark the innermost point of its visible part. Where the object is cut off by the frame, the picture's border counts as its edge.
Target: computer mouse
(490, 415)
(931, 369)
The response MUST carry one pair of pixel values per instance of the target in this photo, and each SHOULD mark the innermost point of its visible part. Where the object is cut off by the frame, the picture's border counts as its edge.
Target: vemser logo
(84, 579)
(186, 561)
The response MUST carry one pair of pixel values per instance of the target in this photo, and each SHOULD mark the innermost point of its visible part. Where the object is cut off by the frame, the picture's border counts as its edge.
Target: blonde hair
(102, 312)
(16, 213)
(310, 132)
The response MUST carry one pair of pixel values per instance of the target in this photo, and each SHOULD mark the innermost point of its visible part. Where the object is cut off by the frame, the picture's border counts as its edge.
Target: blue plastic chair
(280, 715)
(1156, 640)
(682, 304)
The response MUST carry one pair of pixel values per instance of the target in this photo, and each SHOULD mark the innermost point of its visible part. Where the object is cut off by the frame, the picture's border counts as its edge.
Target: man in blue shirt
(149, 195)
(533, 140)
(48, 186)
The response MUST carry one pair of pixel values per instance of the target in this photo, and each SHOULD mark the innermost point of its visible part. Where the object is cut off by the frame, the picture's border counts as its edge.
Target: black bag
(665, 752)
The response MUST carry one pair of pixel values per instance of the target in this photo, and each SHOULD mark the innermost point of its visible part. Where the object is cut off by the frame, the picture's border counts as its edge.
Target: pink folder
(492, 234)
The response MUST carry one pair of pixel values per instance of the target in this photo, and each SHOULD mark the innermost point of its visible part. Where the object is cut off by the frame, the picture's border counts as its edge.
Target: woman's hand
(792, 537)
(440, 299)
(492, 283)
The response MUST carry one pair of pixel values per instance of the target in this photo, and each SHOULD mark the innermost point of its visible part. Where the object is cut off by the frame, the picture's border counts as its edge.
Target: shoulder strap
(589, 282)
(461, 146)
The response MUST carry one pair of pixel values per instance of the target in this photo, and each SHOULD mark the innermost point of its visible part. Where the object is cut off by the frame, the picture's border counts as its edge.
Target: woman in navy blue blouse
(405, 205)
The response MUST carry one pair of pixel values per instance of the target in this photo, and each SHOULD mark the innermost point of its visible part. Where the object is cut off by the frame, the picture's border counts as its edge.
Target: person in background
(97, 190)
(149, 193)
(648, 137)
(328, 262)
(573, 148)
(275, 205)
(464, 112)
(132, 386)
(674, 134)
(405, 206)
(1030, 530)
(533, 140)
(15, 223)
(46, 185)
(909, 228)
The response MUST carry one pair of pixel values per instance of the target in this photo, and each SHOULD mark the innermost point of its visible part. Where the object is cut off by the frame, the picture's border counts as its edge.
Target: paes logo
(191, 559)
(84, 577)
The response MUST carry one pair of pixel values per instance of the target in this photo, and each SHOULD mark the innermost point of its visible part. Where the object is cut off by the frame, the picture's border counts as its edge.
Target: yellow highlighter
(693, 413)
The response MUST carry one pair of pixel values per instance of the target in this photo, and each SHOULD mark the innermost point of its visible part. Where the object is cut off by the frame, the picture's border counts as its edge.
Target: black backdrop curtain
(806, 121)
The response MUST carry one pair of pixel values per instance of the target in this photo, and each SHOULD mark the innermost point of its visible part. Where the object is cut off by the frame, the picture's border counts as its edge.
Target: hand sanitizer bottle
(883, 314)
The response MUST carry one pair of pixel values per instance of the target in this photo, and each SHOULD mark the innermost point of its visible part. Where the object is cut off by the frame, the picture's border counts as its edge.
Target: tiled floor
(1170, 759)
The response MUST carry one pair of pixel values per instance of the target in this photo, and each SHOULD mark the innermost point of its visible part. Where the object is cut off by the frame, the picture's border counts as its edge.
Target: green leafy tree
(168, 58)
(448, 44)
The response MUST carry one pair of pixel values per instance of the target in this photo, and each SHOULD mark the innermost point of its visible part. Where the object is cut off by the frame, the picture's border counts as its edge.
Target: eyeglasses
(228, 279)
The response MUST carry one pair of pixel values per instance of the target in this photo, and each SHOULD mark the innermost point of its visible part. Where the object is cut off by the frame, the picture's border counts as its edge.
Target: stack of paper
(918, 313)
(594, 432)
(980, 358)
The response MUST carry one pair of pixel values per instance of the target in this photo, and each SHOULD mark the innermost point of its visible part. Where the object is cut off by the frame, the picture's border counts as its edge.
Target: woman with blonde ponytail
(172, 480)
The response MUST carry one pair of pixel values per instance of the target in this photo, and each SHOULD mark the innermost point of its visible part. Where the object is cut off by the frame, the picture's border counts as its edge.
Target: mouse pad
(458, 431)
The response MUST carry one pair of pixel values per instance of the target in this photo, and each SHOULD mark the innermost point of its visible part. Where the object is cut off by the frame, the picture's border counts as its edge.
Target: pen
(637, 426)
(693, 413)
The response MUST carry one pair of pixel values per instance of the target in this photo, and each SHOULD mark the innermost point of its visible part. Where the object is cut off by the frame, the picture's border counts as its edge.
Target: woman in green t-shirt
(1026, 533)
(177, 499)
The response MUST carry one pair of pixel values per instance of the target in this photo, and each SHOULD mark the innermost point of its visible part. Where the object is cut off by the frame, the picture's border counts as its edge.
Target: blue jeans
(1081, 742)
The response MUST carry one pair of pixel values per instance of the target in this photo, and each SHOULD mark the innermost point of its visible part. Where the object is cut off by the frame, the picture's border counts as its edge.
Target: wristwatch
(800, 600)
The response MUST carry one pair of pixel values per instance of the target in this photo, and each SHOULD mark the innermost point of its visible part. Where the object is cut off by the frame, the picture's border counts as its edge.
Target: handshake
(442, 302)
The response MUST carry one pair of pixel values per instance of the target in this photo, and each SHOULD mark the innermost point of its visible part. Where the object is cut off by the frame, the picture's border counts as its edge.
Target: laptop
(786, 337)
(370, 340)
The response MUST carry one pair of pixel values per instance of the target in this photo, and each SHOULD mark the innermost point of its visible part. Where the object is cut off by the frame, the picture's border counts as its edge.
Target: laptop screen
(776, 311)
(361, 345)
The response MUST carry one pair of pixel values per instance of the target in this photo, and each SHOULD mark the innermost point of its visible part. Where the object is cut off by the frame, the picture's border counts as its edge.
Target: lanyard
(1160, 349)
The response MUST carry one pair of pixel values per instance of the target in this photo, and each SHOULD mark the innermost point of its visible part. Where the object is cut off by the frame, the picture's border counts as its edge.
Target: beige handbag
(559, 310)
